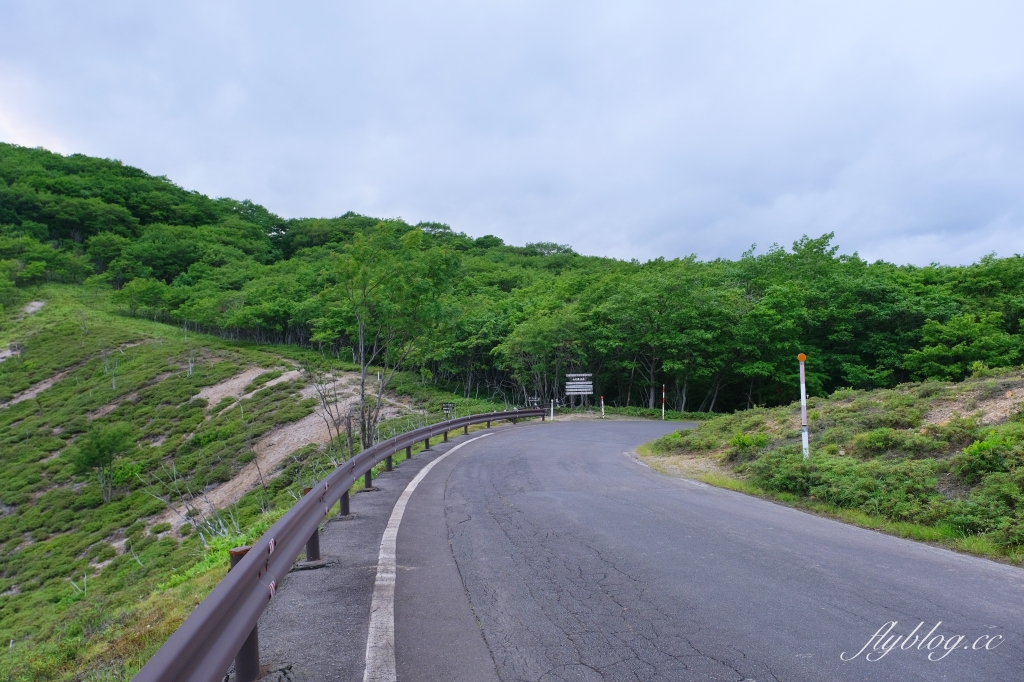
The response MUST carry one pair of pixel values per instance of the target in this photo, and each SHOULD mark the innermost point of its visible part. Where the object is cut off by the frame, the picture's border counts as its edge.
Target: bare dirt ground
(33, 307)
(6, 353)
(36, 389)
(994, 410)
(287, 376)
(274, 447)
(691, 466)
(232, 387)
(111, 406)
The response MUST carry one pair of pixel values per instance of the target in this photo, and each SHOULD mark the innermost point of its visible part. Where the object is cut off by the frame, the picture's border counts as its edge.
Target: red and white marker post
(663, 402)
(602, 407)
(803, 404)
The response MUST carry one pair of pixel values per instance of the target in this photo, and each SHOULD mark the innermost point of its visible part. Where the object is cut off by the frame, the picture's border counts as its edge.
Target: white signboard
(579, 384)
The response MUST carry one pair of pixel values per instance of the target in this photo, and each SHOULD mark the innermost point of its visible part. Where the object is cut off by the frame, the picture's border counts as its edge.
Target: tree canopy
(482, 316)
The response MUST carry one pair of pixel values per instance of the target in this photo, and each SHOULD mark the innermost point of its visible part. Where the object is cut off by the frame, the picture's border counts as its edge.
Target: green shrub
(745, 446)
(837, 435)
(931, 389)
(101, 551)
(996, 505)
(901, 490)
(902, 417)
(890, 441)
(993, 454)
(262, 379)
(958, 431)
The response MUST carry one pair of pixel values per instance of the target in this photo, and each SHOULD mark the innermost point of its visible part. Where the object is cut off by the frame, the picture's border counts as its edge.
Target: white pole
(602, 407)
(803, 404)
(663, 402)
(552, 409)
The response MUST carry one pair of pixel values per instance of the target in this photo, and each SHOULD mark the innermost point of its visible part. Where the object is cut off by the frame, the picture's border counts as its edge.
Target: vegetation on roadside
(123, 297)
(90, 584)
(937, 461)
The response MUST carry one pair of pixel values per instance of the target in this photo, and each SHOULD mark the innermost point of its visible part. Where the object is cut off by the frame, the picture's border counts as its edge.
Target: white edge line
(380, 640)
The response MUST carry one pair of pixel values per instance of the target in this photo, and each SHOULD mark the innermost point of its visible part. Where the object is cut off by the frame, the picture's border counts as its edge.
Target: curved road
(546, 552)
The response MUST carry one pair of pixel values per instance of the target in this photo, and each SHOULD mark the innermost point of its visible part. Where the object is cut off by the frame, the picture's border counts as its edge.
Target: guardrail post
(344, 504)
(390, 463)
(465, 429)
(313, 543)
(247, 660)
(408, 452)
(515, 420)
(488, 423)
(426, 443)
(368, 479)
(445, 436)
(313, 546)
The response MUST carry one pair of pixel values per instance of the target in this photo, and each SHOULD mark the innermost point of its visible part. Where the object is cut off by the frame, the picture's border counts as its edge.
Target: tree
(98, 449)
(541, 348)
(952, 348)
(141, 293)
(382, 295)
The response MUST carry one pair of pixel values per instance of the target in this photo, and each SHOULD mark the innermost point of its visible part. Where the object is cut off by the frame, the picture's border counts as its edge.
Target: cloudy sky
(630, 129)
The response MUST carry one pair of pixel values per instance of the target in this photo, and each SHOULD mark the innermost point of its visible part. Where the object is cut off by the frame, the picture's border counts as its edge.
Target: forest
(493, 320)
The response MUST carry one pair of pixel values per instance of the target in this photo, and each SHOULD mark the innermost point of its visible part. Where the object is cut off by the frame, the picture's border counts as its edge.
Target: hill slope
(99, 564)
(508, 321)
(937, 461)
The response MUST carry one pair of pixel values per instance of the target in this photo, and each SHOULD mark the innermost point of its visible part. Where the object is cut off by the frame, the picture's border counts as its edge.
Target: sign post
(803, 403)
(448, 409)
(579, 384)
(663, 402)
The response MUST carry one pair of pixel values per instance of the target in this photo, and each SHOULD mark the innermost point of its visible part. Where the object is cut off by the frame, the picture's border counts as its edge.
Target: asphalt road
(545, 552)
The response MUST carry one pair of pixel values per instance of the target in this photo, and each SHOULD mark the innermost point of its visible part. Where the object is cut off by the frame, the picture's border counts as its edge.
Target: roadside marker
(803, 403)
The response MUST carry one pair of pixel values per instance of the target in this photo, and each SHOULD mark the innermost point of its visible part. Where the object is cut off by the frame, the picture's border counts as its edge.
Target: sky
(628, 129)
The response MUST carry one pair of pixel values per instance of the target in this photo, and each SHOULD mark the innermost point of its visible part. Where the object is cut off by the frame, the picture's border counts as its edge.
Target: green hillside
(504, 320)
(152, 339)
(91, 581)
(935, 461)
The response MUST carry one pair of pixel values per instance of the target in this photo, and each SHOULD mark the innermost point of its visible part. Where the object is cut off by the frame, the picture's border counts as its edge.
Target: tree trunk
(348, 435)
(718, 385)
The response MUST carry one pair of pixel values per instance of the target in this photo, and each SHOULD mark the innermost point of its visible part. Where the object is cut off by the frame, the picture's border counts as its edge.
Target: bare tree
(326, 387)
(264, 498)
(194, 509)
(110, 363)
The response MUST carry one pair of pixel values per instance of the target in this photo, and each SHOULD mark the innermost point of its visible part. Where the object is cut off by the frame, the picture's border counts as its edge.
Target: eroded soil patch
(273, 448)
(994, 409)
(689, 465)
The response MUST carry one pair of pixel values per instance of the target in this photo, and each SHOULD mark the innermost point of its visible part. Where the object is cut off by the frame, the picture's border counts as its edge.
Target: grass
(936, 462)
(90, 589)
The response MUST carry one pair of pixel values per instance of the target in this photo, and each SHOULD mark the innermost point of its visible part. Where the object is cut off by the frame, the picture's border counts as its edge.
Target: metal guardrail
(202, 648)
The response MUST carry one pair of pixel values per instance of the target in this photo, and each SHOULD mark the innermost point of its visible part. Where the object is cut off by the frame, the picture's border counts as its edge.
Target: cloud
(16, 125)
(626, 129)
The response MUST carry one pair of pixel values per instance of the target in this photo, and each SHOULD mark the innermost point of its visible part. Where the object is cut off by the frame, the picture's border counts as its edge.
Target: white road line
(380, 642)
